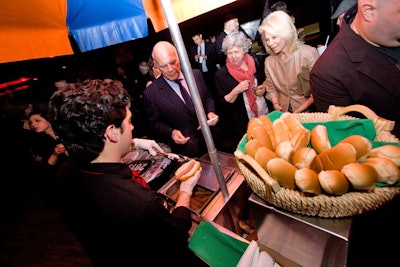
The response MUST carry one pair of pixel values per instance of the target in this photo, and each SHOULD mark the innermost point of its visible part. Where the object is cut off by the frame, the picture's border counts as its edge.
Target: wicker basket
(322, 205)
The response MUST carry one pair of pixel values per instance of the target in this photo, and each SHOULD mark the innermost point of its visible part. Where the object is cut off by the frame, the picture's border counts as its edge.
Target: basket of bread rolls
(328, 165)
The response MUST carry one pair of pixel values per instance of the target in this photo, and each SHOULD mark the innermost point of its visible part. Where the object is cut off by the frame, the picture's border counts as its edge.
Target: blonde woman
(288, 64)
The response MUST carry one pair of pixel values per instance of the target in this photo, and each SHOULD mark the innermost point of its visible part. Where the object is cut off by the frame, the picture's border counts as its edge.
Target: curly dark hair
(81, 112)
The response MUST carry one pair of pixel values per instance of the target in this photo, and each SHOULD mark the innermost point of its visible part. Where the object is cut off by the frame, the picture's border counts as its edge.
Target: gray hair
(235, 38)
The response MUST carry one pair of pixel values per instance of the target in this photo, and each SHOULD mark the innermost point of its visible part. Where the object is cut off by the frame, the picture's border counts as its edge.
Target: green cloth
(216, 248)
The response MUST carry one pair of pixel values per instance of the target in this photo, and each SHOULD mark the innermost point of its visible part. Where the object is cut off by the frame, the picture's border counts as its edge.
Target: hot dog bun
(307, 181)
(319, 138)
(282, 171)
(187, 170)
(391, 152)
(386, 170)
(362, 145)
(336, 157)
(333, 182)
(361, 176)
(303, 157)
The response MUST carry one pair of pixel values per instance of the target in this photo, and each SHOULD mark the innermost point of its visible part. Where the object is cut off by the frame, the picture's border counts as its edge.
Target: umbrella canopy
(42, 28)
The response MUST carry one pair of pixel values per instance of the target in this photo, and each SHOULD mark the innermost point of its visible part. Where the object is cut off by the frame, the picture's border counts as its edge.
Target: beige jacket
(281, 77)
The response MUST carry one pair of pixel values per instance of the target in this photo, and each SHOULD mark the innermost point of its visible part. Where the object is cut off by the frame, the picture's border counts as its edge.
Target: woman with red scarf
(240, 95)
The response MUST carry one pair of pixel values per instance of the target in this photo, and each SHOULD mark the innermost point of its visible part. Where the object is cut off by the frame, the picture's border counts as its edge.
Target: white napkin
(253, 257)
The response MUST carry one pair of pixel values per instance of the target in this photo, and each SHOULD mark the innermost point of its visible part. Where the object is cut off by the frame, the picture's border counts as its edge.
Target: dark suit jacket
(210, 50)
(166, 112)
(351, 71)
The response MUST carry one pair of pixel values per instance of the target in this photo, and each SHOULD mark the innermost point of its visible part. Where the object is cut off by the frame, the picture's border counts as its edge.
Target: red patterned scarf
(240, 75)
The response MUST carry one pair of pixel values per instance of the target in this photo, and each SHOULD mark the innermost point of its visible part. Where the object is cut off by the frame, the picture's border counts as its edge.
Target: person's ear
(111, 133)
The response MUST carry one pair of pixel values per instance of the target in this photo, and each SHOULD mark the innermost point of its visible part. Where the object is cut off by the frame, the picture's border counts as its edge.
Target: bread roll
(187, 170)
(260, 133)
(267, 123)
(319, 138)
(307, 181)
(316, 164)
(391, 152)
(338, 156)
(282, 171)
(285, 150)
(386, 170)
(300, 139)
(263, 155)
(303, 157)
(252, 146)
(361, 176)
(253, 122)
(292, 123)
(333, 182)
(281, 131)
(362, 145)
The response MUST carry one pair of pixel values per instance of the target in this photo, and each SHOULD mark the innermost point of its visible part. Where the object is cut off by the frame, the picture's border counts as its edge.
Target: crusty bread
(282, 171)
(263, 155)
(281, 131)
(267, 123)
(391, 152)
(362, 145)
(319, 138)
(285, 150)
(361, 176)
(260, 133)
(303, 157)
(386, 170)
(338, 156)
(333, 182)
(252, 146)
(307, 181)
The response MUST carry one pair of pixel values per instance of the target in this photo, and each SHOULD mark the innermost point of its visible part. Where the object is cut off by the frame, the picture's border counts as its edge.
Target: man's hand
(179, 138)
(147, 144)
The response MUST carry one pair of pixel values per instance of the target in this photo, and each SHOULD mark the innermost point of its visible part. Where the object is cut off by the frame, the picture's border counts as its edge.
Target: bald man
(362, 64)
(170, 118)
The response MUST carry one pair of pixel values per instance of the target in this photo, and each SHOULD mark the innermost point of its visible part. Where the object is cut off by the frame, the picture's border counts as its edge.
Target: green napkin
(216, 248)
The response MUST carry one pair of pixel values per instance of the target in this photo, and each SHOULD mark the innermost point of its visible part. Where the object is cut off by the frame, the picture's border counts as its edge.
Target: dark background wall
(102, 61)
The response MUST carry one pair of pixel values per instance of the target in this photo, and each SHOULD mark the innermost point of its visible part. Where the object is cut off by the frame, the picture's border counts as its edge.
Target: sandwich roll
(253, 122)
(187, 170)
(300, 139)
(391, 152)
(307, 181)
(267, 123)
(316, 164)
(303, 157)
(362, 145)
(260, 133)
(333, 182)
(319, 138)
(281, 131)
(263, 155)
(282, 171)
(285, 150)
(386, 170)
(293, 124)
(361, 176)
(252, 146)
(338, 156)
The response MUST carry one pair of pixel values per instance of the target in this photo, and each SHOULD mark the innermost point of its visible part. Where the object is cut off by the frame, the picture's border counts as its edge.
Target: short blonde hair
(279, 24)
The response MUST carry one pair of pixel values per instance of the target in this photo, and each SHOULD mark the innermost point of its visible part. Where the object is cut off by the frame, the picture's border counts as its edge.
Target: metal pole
(187, 71)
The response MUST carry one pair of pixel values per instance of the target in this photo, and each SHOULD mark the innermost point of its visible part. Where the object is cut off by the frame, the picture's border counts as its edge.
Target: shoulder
(308, 50)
